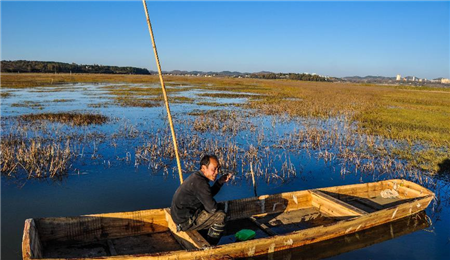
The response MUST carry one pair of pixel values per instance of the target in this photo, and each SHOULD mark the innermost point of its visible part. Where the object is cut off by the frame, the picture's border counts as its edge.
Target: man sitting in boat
(193, 205)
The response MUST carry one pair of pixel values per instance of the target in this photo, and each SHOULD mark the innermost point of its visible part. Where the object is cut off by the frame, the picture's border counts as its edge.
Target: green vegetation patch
(411, 116)
(416, 117)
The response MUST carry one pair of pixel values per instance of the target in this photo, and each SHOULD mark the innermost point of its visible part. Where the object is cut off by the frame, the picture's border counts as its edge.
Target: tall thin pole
(175, 145)
(253, 179)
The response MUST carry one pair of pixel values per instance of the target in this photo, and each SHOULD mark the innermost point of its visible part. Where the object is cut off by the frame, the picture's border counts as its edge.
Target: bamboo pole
(175, 145)
(253, 179)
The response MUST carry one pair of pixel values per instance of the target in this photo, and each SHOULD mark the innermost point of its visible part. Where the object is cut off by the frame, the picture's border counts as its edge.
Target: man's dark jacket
(192, 196)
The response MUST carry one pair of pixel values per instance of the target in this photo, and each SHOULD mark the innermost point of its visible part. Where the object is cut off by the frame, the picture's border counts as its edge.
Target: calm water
(111, 182)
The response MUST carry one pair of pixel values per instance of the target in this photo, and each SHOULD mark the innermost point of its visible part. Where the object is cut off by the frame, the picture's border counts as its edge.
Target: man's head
(209, 166)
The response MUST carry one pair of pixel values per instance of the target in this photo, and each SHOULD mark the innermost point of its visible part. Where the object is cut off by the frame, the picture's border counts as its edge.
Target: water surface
(105, 176)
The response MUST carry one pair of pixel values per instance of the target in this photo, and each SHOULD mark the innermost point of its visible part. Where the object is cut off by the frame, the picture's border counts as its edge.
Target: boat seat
(333, 206)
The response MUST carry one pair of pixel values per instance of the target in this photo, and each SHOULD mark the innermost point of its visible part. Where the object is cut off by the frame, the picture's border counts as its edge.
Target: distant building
(445, 81)
(399, 77)
(414, 78)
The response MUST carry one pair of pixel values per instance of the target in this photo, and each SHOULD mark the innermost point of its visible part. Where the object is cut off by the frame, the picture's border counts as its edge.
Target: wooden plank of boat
(354, 241)
(151, 234)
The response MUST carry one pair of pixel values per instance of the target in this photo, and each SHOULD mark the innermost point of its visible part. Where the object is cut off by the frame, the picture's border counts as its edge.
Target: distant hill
(368, 78)
(60, 67)
(202, 73)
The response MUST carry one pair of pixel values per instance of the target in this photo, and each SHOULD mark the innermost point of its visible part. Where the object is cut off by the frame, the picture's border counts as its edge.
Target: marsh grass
(143, 96)
(136, 102)
(35, 148)
(27, 80)
(223, 122)
(181, 99)
(213, 104)
(417, 115)
(29, 104)
(226, 95)
(62, 100)
(74, 119)
(198, 112)
(100, 104)
(37, 159)
(411, 116)
(4, 94)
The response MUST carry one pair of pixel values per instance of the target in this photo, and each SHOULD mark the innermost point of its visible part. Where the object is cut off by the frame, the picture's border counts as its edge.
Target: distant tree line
(60, 67)
(293, 76)
(24, 66)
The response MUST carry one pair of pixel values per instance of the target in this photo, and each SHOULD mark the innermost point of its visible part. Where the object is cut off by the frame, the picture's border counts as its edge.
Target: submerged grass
(213, 104)
(75, 119)
(136, 102)
(4, 94)
(62, 100)
(29, 104)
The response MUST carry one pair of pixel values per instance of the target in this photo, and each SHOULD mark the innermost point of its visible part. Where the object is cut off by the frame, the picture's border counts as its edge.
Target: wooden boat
(281, 221)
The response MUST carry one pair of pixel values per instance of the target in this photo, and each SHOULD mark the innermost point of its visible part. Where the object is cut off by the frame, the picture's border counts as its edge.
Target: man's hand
(224, 178)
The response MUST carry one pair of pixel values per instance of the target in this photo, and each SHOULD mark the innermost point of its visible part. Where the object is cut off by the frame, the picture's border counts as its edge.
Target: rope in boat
(174, 138)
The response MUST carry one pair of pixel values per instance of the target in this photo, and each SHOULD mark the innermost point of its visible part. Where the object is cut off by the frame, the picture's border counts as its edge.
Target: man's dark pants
(203, 220)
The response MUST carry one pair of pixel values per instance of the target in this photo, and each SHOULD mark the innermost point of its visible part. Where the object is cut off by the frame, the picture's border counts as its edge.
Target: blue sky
(328, 38)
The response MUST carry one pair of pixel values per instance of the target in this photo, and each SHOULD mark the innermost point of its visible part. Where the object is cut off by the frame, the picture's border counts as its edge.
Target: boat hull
(336, 203)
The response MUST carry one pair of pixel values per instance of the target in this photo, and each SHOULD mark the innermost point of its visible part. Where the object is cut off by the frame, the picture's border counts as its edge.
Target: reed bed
(136, 102)
(37, 159)
(35, 148)
(72, 118)
(212, 104)
(221, 121)
(63, 100)
(4, 94)
(29, 104)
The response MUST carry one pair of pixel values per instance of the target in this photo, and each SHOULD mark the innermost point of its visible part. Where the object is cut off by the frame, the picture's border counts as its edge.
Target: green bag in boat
(245, 234)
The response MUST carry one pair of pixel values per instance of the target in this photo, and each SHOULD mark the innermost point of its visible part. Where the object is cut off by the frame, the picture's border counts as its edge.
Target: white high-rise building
(399, 77)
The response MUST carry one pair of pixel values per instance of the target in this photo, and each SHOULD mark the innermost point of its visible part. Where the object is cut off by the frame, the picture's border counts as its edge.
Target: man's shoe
(214, 233)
